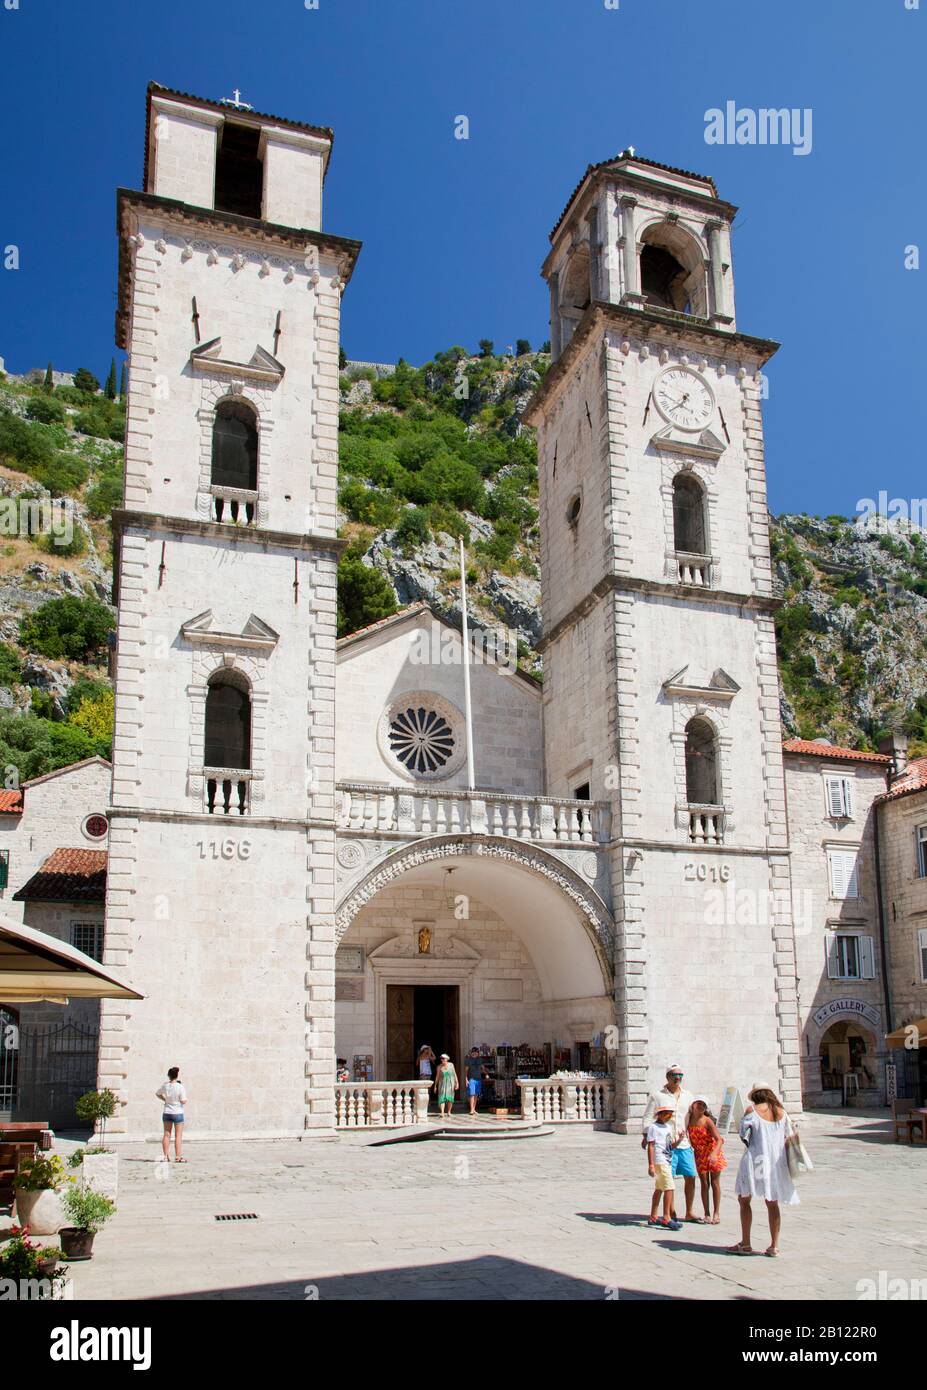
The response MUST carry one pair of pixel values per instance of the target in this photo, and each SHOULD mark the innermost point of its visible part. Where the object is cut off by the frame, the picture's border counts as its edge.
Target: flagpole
(468, 709)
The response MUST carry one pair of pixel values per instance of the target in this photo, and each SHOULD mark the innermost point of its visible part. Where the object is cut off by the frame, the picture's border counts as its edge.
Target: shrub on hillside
(77, 628)
(413, 529)
(85, 381)
(10, 665)
(34, 746)
(95, 717)
(84, 689)
(46, 410)
(105, 495)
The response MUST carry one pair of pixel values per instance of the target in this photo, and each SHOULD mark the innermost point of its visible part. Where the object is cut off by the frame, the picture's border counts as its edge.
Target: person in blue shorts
(474, 1071)
(678, 1100)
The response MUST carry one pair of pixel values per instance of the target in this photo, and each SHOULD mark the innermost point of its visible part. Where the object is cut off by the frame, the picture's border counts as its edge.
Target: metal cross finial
(236, 101)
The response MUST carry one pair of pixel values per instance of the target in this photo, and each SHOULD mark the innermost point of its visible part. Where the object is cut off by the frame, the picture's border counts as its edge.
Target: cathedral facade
(303, 880)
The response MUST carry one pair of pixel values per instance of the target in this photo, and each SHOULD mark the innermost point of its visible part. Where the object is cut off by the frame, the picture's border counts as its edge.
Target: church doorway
(417, 1014)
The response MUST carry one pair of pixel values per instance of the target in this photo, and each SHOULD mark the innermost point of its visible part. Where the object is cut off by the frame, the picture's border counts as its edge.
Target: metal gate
(44, 1072)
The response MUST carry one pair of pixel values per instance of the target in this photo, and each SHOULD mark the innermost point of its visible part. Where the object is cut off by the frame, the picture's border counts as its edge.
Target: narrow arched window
(228, 722)
(688, 516)
(234, 455)
(701, 764)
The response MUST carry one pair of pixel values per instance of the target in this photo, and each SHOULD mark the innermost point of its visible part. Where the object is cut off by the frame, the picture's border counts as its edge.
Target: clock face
(683, 398)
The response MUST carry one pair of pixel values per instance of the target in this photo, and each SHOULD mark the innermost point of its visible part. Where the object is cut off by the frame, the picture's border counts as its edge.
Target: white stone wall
(905, 904)
(817, 914)
(376, 671)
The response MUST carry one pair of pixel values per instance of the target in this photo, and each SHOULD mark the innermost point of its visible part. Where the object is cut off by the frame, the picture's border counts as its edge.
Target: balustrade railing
(567, 1100)
(706, 825)
(404, 811)
(235, 504)
(381, 1104)
(694, 569)
(227, 791)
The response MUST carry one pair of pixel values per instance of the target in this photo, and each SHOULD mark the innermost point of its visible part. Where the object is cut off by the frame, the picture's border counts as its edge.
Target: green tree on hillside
(486, 346)
(364, 596)
(86, 381)
(49, 383)
(109, 390)
(77, 628)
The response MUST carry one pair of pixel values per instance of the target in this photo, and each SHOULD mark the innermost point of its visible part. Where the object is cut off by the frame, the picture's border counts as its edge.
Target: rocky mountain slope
(428, 455)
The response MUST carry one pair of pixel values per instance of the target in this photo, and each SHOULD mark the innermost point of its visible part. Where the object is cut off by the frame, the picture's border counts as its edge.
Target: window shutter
(844, 873)
(920, 836)
(834, 792)
(866, 958)
(833, 957)
(847, 786)
(922, 947)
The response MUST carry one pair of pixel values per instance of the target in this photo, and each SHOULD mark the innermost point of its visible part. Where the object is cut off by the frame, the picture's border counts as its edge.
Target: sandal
(740, 1249)
(772, 1251)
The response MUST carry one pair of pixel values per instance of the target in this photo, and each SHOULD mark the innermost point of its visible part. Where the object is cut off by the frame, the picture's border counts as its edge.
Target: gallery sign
(852, 1008)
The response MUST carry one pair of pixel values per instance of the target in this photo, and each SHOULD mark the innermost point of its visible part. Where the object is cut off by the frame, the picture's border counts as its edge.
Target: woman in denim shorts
(173, 1097)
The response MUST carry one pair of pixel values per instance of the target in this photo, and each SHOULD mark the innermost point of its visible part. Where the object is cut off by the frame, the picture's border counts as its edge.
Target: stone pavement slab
(560, 1218)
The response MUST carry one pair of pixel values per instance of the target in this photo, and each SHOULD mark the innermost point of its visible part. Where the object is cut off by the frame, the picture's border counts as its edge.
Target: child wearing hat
(661, 1140)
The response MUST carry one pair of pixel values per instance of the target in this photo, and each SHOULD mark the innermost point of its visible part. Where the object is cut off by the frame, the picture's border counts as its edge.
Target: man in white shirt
(673, 1097)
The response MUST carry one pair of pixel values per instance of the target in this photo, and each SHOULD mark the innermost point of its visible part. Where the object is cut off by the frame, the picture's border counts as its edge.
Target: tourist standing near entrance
(683, 1160)
(447, 1084)
(474, 1074)
(425, 1063)
(764, 1168)
(173, 1097)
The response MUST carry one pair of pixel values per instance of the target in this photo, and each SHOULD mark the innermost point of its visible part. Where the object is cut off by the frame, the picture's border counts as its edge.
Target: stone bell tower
(219, 900)
(659, 649)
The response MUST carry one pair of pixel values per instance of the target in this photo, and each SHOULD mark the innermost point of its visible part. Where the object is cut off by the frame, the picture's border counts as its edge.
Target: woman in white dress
(764, 1168)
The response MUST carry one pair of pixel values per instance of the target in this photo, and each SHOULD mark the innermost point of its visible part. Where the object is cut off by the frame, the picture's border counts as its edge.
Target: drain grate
(238, 1216)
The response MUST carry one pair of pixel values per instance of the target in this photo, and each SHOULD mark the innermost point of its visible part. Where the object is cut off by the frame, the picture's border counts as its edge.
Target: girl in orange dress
(708, 1144)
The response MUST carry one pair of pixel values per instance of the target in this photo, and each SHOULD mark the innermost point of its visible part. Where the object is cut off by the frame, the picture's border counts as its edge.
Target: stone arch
(258, 398)
(595, 919)
(246, 669)
(673, 267)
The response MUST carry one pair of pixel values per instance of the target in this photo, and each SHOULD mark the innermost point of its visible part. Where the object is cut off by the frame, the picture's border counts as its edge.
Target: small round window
(96, 827)
(574, 509)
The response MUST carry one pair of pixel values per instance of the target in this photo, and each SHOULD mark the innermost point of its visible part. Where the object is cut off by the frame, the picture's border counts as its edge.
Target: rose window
(421, 739)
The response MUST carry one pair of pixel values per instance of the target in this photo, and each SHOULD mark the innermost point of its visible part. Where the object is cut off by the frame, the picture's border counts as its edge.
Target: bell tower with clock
(660, 672)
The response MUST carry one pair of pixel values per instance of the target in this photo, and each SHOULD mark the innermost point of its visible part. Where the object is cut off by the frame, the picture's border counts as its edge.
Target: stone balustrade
(567, 1100)
(407, 811)
(694, 569)
(381, 1104)
(227, 791)
(235, 504)
(706, 825)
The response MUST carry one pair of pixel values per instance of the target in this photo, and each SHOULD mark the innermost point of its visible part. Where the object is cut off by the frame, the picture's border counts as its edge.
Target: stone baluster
(425, 817)
(547, 829)
(525, 831)
(511, 822)
(569, 1097)
(478, 818)
(573, 822)
(375, 1107)
(421, 1106)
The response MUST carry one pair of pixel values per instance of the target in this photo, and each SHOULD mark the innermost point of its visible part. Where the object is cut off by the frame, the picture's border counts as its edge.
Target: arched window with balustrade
(234, 474)
(702, 783)
(689, 529)
(227, 742)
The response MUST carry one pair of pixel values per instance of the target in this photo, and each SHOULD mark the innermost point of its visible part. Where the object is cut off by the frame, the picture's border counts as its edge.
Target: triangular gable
(255, 633)
(721, 686)
(262, 364)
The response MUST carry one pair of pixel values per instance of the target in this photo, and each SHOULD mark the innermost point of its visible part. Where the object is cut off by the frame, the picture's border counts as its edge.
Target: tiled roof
(913, 779)
(420, 607)
(68, 876)
(11, 803)
(830, 750)
(592, 169)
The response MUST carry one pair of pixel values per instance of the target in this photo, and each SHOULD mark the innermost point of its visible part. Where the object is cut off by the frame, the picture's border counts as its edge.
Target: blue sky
(454, 231)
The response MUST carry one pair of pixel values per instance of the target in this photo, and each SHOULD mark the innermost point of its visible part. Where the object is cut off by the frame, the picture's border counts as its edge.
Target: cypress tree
(110, 388)
(49, 383)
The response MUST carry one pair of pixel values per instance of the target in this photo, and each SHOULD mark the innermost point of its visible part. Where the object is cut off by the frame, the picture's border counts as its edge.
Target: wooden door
(400, 1044)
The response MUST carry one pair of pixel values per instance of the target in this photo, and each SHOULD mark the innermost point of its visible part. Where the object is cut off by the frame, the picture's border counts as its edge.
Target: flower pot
(41, 1211)
(75, 1243)
(101, 1172)
(48, 1268)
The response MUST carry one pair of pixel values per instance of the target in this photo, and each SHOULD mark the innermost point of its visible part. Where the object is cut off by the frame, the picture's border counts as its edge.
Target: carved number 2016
(718, 873)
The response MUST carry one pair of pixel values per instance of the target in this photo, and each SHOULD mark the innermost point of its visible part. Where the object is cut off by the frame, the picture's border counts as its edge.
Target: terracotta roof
(68, 876)
(11, 803)
(913, 779)
(420, 607)
(69, 767)
(812, 748)
(592, 169)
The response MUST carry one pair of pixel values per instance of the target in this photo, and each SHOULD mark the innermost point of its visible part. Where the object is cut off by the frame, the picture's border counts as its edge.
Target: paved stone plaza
(554, 1217)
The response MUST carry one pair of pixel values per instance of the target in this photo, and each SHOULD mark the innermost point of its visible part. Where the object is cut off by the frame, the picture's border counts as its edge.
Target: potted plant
(88, 1210)
(38, 1203)
(100, 1166)
(24, 1264)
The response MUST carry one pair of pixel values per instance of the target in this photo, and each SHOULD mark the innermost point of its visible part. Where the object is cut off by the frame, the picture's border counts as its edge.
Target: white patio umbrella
(35, 966)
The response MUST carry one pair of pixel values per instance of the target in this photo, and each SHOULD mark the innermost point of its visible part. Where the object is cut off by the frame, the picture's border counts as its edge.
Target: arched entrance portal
(472, 942)
(848, 1049)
